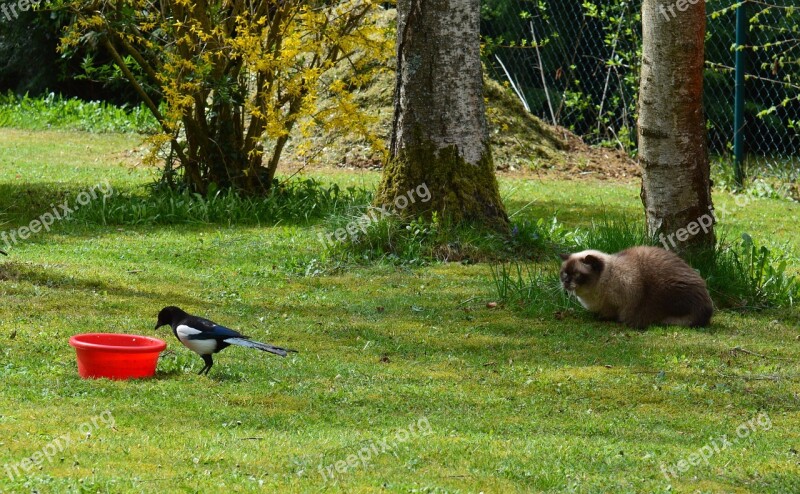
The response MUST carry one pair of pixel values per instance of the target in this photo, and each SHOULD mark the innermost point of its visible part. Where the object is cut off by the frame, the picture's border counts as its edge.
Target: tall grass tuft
(54, 111)
(539, 239)
(610, 235)
(396, 240)
(419, 240)
(741, 275)
(298, 201)
(533, 287)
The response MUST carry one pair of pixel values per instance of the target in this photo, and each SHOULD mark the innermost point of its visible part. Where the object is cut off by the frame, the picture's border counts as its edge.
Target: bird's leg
(209, 362)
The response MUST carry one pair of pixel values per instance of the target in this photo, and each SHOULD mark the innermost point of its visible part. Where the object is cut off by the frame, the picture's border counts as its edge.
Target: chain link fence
(576, 64)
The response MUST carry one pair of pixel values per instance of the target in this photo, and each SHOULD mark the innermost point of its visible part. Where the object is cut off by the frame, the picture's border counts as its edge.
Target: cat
(638, 287)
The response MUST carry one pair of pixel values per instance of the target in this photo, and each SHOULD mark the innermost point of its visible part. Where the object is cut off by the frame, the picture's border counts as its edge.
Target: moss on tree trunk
(439, 134)
(461, 192)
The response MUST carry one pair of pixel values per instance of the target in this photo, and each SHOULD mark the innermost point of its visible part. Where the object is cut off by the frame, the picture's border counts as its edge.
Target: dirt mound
(524, 143)
(584, 161)
(521, 142)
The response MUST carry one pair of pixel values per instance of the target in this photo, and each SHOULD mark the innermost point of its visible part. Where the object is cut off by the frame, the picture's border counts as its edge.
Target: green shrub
(390, 239)
(744, 275)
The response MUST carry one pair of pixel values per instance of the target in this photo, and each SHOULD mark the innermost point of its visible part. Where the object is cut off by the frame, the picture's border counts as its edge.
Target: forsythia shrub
(228, 81)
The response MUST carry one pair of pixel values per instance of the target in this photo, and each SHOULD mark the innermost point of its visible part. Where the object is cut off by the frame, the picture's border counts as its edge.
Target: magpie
(205, 337)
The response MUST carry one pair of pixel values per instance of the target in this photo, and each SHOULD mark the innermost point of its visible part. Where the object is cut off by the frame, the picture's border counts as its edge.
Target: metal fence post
(584, 59)
(738, 107)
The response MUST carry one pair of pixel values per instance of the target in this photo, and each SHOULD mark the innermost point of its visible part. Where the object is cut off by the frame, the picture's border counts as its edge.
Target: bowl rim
(154, 344)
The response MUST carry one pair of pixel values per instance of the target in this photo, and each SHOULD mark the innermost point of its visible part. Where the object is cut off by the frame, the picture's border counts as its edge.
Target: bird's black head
(168, 315)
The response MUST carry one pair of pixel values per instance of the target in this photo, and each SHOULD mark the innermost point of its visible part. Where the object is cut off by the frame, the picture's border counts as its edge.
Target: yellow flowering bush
(229, 81)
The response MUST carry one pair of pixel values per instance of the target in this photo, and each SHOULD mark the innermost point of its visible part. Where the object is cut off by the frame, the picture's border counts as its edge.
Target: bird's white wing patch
(184, 331)
(201, 347)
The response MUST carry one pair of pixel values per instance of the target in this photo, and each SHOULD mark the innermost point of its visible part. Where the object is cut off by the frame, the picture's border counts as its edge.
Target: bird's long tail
(261, 346)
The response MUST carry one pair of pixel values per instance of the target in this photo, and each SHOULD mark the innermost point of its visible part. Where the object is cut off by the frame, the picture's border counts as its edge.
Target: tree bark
(439, 133)
(676, 188)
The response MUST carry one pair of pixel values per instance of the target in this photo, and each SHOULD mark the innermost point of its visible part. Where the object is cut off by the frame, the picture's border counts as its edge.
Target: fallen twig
(748, 352)
(761, 377)
(466, 301)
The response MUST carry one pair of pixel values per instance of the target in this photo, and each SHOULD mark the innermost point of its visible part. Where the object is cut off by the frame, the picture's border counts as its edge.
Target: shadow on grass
(52, 278)
(572, 212)
(20, 203)
(305, 203)
(297, 202)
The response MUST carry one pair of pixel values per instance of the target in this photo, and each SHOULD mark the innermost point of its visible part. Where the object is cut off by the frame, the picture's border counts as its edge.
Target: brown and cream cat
(639, 286)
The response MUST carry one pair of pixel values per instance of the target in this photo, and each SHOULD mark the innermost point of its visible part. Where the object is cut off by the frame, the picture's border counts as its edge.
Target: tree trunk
(676, 189)
(439, 134)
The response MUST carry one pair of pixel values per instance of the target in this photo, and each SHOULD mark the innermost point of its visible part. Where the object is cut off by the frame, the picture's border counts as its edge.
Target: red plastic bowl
(116, 356)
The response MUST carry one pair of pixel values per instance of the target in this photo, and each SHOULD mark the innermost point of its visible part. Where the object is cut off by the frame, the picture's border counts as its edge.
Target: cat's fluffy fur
(639, 286)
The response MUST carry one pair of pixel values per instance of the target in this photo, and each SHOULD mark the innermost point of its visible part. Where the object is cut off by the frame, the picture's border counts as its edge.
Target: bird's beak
(158, 326)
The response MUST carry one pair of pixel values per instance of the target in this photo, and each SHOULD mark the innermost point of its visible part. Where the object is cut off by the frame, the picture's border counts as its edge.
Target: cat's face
(580, 270)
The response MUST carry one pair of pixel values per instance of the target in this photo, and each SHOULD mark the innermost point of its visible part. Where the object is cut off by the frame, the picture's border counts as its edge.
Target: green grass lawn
(405, 366)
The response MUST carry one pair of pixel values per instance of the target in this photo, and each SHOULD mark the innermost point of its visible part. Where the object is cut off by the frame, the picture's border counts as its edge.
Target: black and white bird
(205, 337)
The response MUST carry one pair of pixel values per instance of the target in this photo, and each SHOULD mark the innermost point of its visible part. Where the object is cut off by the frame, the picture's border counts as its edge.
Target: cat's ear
(564, 257)
(594, 262)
